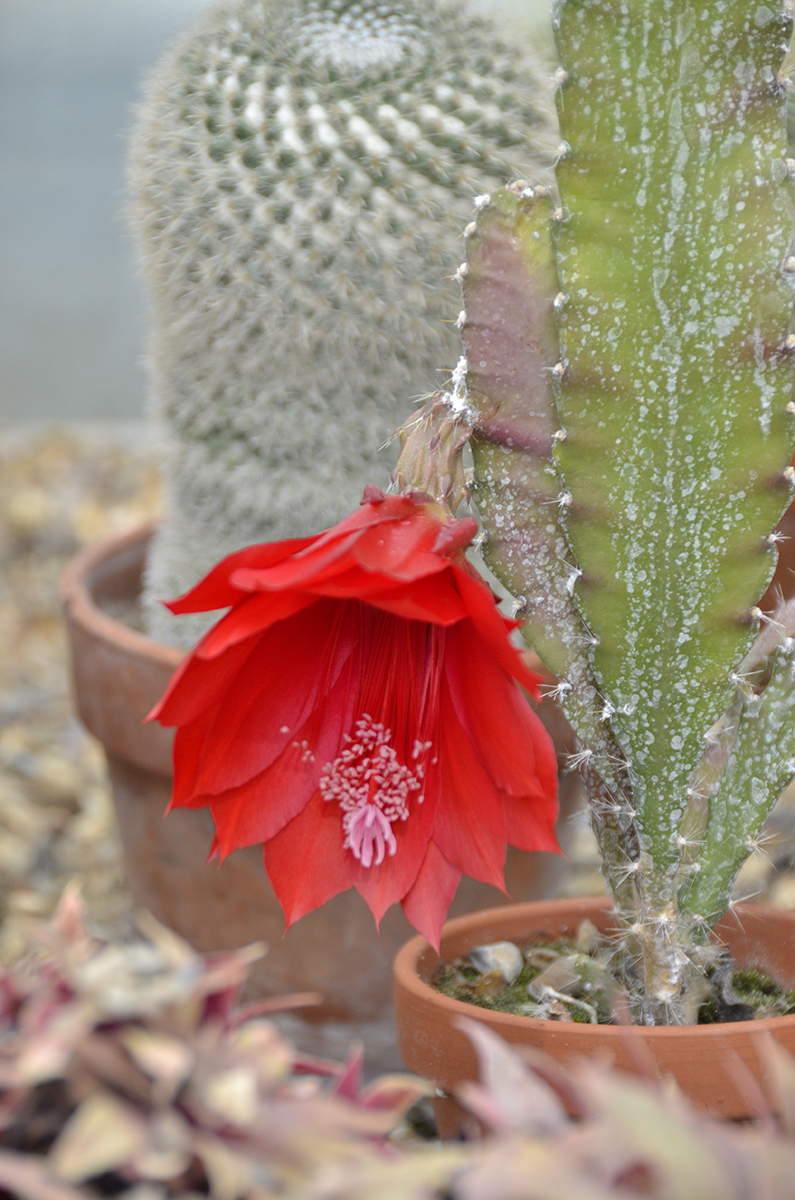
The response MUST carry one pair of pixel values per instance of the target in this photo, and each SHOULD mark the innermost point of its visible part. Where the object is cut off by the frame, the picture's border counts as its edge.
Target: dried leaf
(637, 1122)
(229, 1171)
(395, 1094)
(165, 1059)
(168, 1153)
(101, 1135)
(176, 951)
(275, 1004)
(510, 1096)
(425, 1174)
(262, 1043)
(29, 1178)
(130, 980)
(45, 1053)
(521, 1169)
(231, 970)
(349, 1083)
(233, 1094)
(100, 1060)
(70, 918)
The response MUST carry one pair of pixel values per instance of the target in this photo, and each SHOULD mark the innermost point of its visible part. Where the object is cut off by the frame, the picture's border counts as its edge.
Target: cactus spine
(661, 304)
(301, 171)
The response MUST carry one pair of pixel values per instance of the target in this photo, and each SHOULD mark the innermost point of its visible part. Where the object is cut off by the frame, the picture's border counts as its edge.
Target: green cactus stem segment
(511, 349)
(654, 332)
(673, 254)
(510, 292)
(761, 765)
(511, 346)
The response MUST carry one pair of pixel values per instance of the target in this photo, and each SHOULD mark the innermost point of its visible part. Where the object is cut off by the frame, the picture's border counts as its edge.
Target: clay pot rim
(409, 959)
(75, 595)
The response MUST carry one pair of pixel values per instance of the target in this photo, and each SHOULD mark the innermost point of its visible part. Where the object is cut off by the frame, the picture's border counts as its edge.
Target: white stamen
(372, 788)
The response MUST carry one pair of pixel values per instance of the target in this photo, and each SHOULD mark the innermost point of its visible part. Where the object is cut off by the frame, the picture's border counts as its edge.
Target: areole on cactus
(629, 370)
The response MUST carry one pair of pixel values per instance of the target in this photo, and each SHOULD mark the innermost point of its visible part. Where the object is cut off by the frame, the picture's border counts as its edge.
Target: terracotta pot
(119, 674)
(709, 1062)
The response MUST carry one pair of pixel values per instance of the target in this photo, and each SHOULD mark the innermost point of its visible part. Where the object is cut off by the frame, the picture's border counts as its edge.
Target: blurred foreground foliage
(130, 1069)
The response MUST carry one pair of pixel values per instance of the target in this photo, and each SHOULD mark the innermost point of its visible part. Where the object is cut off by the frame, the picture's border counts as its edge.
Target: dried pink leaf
(510, 1096)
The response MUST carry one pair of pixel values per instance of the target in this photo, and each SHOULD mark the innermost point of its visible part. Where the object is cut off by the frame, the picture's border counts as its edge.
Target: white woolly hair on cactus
(301, 171)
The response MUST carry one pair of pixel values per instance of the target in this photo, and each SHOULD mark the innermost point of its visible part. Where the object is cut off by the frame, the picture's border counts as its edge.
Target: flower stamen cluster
(372, 788)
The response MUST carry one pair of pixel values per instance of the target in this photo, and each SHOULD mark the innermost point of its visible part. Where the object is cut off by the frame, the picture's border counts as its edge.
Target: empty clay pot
(119, 674)
(710, 1063)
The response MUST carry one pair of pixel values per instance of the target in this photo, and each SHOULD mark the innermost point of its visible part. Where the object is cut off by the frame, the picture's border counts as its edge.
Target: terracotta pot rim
(74, 591)
(407, 976)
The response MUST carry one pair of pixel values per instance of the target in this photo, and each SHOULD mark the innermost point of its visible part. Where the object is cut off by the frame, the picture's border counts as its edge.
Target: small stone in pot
(498, 956)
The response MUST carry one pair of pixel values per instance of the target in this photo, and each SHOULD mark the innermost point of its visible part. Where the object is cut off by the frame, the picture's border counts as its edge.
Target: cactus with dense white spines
(632, 439)
(300, 172)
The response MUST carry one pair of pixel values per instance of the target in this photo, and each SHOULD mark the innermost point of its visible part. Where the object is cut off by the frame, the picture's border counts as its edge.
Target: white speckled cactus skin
(301, 172)
(634, 426)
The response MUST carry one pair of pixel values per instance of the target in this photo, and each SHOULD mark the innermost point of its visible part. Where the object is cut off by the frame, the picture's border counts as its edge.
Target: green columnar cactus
(633, 435)
(301, 171)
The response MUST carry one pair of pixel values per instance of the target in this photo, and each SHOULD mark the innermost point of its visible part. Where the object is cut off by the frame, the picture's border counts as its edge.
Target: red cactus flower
(356, 711)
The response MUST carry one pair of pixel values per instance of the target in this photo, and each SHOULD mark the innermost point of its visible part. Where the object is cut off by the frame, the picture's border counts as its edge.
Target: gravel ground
(58, 491)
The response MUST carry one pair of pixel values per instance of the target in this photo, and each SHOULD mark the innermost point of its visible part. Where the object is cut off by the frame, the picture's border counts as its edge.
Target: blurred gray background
(71, 309)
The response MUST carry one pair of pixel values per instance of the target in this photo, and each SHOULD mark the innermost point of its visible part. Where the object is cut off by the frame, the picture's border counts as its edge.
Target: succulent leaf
(674, 256)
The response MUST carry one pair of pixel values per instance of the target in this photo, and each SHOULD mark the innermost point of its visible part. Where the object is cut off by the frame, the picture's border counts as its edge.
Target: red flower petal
(255, 811)
(196, 685)
(305, 861)
(392, 548)
(455, 536)
(189, 743)
(500, 723)
(259, 808)
(387, 884)
(289, 677)
(216, 590)
(391, 508)
(493, 627)
(300, 572)
(429, 900)
(256, 614)
(470, 821)
(432, 600)
(531, 823)
(348, 662)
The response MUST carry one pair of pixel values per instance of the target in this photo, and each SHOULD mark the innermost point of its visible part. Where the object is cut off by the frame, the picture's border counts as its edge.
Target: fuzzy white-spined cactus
(301, 172)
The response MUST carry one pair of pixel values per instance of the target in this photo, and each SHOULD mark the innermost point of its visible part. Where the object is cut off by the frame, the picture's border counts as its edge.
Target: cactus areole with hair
(630, 372)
